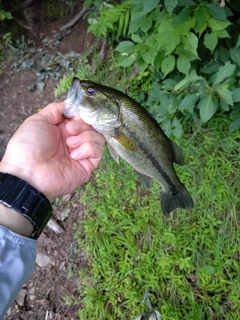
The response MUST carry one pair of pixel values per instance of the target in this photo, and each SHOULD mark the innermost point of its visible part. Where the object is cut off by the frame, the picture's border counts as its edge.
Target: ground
(43, 295)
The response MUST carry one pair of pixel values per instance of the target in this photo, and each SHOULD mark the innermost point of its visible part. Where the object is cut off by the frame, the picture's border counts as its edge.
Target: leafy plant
(190, 48)
(188, 262)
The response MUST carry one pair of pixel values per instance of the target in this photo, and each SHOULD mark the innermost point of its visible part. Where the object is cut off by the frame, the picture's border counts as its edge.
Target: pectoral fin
(113, 153)
(125, 141)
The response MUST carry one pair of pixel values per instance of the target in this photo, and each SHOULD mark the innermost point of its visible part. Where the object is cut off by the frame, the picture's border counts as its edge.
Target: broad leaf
(148, 6)
(146, 24)
(168, 65)
(190, 43)
(234, 125)
(224, 55)
(210, 41)
(225, 94)
(238, 41)
(170, 5)
(150, 55)
(136, 21)
(206, 107)
(177, 128)
(216, 11)
(236, 95)
(125, 46)
(181, 17)
(183, 64)
(235, 55)
(188, 103)
(221, 34)
(201, 23)
(224, 72)
(136, 38)
(218, 24)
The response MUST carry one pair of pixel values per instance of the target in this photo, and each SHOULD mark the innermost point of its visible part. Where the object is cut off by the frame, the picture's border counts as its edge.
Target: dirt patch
(43, 295)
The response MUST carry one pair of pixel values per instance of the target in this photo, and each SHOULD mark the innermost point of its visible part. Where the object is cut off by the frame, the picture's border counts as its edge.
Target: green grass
(188, 262)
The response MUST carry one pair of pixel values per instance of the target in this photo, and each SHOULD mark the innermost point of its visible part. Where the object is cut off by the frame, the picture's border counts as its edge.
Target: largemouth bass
(133, 134)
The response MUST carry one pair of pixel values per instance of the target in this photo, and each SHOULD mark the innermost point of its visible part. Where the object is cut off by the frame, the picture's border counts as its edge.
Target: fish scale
(133, 134)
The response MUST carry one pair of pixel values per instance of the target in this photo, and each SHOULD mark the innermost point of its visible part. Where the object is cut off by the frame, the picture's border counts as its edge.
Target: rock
(42, 260)
(21, 297)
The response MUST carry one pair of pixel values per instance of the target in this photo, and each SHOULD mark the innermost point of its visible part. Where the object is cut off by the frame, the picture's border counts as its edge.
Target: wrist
(12, 220)
(27, 201)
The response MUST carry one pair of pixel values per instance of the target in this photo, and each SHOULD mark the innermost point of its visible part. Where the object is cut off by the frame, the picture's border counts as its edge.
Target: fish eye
(91, 90)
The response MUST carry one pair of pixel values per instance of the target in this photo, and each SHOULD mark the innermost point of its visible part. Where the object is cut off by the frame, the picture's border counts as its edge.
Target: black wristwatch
(28, 201)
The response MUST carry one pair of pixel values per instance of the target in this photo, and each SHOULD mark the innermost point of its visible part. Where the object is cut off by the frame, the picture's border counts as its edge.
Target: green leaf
(167, 127)
(126, 60)
(183, 64)
(224, 105)
(236, 95)
(235, 55)
(210, 68)
(218, 24)
(188, 103)
(225, 94)
(171, 45)
(181, 17)
(224, 72)
(209, 269)
(136, 38)
(200, 24)
(216, 11)
(224, 55)
(168, 65)
(234, 125)
(183, 84)
(210, 41)
(136, 21)
(238, 41)
(150, 55)
(177, 128)
(170, 5)
(146, 24)
(125, 46)
(206, 107)
(190, 43)
(148, 6)
(221, 34)
(184, 28)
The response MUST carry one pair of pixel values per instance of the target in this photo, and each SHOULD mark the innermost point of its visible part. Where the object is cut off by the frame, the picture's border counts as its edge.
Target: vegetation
(186, 266)
(189, 262)
(187, 51)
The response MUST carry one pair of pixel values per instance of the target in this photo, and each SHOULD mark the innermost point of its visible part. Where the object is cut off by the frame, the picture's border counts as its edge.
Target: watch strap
(27, 200)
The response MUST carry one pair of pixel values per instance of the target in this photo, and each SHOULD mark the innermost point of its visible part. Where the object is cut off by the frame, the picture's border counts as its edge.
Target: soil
(43, 294)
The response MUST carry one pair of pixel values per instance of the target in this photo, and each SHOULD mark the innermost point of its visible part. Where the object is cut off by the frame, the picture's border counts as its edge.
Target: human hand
(53, 154)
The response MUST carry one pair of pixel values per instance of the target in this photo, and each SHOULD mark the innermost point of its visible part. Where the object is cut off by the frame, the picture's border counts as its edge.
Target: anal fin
(146, 180)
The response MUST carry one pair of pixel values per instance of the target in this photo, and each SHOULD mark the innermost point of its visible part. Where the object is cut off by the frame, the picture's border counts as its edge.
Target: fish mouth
(73, 100)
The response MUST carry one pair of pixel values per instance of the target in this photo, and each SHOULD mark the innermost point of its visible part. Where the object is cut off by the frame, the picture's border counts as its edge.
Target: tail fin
(170, 202)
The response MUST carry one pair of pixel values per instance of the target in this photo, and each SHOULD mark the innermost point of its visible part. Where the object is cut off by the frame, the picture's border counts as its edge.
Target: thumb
(53, 112)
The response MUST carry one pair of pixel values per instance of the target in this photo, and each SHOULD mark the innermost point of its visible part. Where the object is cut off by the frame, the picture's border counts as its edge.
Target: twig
(103, 49)
(75, 19)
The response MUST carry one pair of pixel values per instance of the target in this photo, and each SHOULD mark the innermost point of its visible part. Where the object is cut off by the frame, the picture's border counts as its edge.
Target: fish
(133, 134)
